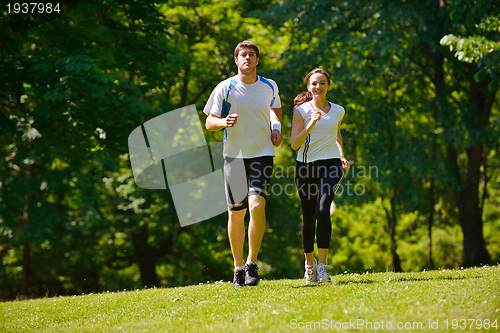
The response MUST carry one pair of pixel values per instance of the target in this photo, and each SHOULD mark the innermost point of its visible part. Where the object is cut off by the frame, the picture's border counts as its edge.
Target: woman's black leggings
(317, 180)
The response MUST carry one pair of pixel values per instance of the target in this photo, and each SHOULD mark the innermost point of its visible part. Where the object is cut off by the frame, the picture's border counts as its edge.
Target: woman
(320, 164)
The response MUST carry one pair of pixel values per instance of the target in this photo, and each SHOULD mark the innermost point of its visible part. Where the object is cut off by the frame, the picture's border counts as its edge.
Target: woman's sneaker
(310, 275)
(323, 275)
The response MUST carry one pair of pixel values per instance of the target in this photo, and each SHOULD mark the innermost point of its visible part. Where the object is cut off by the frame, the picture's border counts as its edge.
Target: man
(251, 128)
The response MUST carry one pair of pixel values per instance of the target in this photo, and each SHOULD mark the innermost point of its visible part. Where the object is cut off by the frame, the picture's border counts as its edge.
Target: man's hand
(276, 138)
(231, 120)
(214, 123)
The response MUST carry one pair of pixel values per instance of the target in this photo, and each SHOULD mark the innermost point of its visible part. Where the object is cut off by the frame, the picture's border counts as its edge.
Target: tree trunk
(147, 267)
(466, 186)
(475, 253)
(391, 218)
(26, 245)
(146, 258)
(26, 271)
(146, 255)
(396, 262)
(430, 223)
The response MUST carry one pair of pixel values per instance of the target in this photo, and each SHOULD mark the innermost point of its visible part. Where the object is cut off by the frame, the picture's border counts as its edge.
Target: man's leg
(257, 225)
(236, 233)
(259, 174)
(235, 183)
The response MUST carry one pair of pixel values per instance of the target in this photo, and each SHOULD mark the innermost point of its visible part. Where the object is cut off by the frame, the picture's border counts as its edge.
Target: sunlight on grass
(425, 298)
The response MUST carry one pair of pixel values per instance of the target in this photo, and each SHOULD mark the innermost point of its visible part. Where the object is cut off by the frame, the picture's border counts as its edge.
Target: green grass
(275, 306)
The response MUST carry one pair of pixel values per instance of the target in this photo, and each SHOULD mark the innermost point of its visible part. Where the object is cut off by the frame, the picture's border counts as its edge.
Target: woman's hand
(345, 163)
(316, 116)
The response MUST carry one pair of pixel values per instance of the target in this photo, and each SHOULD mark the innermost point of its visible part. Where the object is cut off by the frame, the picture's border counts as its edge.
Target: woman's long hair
(306, 96)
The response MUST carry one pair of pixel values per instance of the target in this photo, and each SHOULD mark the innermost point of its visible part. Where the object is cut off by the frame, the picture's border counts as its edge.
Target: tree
(480, 29)
(68, 101)
(380, 52)
(71, 217)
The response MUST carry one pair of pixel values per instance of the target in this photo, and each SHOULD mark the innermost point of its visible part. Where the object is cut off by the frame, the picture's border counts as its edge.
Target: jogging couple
(248, 108)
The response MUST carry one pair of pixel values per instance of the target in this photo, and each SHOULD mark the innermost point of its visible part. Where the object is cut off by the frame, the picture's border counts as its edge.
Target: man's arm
(275, 114)
(214, 123)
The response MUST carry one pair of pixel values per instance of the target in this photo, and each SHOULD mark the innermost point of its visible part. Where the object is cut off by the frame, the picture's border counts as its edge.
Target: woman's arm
(299, 133)
(339, 141)
(340, 144)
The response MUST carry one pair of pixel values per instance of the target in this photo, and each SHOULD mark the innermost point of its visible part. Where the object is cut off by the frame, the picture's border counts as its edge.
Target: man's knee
(236, 216)
(257, 203)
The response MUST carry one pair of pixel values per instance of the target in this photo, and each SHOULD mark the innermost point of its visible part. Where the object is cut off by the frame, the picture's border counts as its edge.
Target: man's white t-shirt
(251, 136)
(321, 143)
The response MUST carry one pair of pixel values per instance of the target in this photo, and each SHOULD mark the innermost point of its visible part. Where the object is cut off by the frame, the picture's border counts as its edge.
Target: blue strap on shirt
(226, 106)
(266, 81)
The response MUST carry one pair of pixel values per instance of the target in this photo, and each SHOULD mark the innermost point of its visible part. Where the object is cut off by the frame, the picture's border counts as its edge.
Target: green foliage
(359, 240)
(446, 248)
(69, 101)
(68, 104)
(470, 49)
(72, 219)
(412, 112)
(480, 44)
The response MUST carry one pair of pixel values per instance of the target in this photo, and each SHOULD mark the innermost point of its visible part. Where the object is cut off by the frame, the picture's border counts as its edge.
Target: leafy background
(418, 80)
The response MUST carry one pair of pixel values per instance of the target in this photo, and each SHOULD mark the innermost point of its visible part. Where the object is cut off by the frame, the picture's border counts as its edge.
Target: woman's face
(318, 85)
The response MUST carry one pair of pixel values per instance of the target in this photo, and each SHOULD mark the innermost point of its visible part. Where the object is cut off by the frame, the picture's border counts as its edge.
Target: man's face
(247, 59)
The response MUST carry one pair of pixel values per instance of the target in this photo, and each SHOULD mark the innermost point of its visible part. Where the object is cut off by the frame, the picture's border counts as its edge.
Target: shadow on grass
(399, 279)
(409, 279)
(312, 285)
(357, 282)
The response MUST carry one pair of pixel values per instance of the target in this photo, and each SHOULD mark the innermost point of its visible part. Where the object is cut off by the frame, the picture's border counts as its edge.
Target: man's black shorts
(258, 172)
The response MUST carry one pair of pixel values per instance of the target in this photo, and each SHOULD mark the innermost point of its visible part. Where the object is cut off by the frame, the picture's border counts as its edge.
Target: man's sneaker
(251, 274)
(310, 275)
(323, 275)
(239, 278)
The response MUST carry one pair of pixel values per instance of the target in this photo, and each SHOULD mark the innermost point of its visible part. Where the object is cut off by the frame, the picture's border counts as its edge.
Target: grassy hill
(465, 300)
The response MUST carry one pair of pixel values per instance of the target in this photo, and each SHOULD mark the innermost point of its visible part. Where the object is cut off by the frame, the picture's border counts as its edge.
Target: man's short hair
(246, 44)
